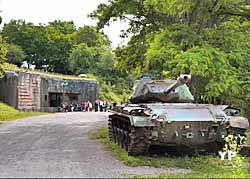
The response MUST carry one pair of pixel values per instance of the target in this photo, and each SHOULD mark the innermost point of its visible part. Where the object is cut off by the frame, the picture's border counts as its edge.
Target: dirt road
(58, 145)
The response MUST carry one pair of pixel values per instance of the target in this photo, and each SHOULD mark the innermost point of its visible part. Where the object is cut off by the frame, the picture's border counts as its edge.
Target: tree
(131, 57)
(3, 52)
(57, 50)
(29, 37)
(142, 20)
(63, 26)
(209, 39)
(81, 59)
(90, 36)
(15, 55)
(147, 17)
(105, 63)
(48, 47)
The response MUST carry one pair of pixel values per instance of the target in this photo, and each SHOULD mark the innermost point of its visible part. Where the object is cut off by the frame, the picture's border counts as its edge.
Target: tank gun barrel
(183, 79)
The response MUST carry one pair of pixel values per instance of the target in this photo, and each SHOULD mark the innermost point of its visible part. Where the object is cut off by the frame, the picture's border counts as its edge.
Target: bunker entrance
(55, 99)
(73, 97)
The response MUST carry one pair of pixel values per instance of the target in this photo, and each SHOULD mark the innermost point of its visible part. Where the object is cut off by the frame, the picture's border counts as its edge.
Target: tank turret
(147, 90)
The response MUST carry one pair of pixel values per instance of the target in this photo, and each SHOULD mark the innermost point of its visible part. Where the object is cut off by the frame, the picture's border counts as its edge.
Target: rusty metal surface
(239, 122)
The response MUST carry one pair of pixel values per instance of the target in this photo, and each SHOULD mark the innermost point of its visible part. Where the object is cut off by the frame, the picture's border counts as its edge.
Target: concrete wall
(86, 90)
(8, 88)
(30, 92)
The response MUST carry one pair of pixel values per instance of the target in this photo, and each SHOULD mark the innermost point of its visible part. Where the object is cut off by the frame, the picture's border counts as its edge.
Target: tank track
(135, 140)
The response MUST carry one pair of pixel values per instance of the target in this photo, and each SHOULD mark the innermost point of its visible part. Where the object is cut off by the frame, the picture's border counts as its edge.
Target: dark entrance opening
(73, 97)
(55, 99)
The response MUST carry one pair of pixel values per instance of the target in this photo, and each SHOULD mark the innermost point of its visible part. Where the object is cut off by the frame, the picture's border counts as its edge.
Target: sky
(44, 11)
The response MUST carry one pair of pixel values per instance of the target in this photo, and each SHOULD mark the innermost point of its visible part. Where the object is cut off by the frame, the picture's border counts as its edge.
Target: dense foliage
(208, 39)
(60, 47)
(3, 51)
(15, 55)
(46, 47)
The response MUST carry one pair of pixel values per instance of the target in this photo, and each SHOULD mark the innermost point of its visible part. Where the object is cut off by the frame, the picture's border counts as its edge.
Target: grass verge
(201, 166)
(8, 113)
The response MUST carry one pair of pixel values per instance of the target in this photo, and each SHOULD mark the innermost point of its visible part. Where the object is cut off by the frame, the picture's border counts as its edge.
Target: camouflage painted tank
(162, 113)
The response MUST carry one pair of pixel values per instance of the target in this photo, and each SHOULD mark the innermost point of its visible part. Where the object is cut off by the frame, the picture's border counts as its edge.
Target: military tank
(162, 113)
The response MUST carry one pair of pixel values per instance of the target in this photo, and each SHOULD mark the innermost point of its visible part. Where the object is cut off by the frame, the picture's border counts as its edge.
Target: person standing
(71, 107)
(104, 106)
(87, 106)
(83, 106)
(96, 105)
(90, 106)
(101, 106)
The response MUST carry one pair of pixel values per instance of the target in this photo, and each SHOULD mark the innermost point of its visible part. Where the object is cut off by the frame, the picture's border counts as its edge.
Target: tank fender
(136, 121)
(238, 122)
(141, 121)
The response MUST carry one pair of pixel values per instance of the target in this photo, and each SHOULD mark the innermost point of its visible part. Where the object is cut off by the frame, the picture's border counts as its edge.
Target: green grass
(101, 134)
(8, 113)
(201, 166)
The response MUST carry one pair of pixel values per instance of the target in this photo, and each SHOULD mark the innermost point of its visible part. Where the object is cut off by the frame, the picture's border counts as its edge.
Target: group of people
(87, 106)
(99, 106)
(65, 107)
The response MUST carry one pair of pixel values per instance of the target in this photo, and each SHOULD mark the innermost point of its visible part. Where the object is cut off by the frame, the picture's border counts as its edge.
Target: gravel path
(57, 145)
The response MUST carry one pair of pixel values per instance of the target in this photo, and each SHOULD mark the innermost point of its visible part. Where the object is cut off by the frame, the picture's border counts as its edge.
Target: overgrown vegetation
(208, 39)
(118, 92)
(61, 48)
(3, 52)
(8, 113)
(201, 166)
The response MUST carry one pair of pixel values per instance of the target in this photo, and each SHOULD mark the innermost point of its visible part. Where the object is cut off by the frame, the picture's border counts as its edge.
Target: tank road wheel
(119, 136)
(126, 140)
(122, 138)
(139, 141)
(115, 135)
(111, 131)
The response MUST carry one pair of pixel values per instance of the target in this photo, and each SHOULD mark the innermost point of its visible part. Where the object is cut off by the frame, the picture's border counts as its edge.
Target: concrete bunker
(29, 91)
